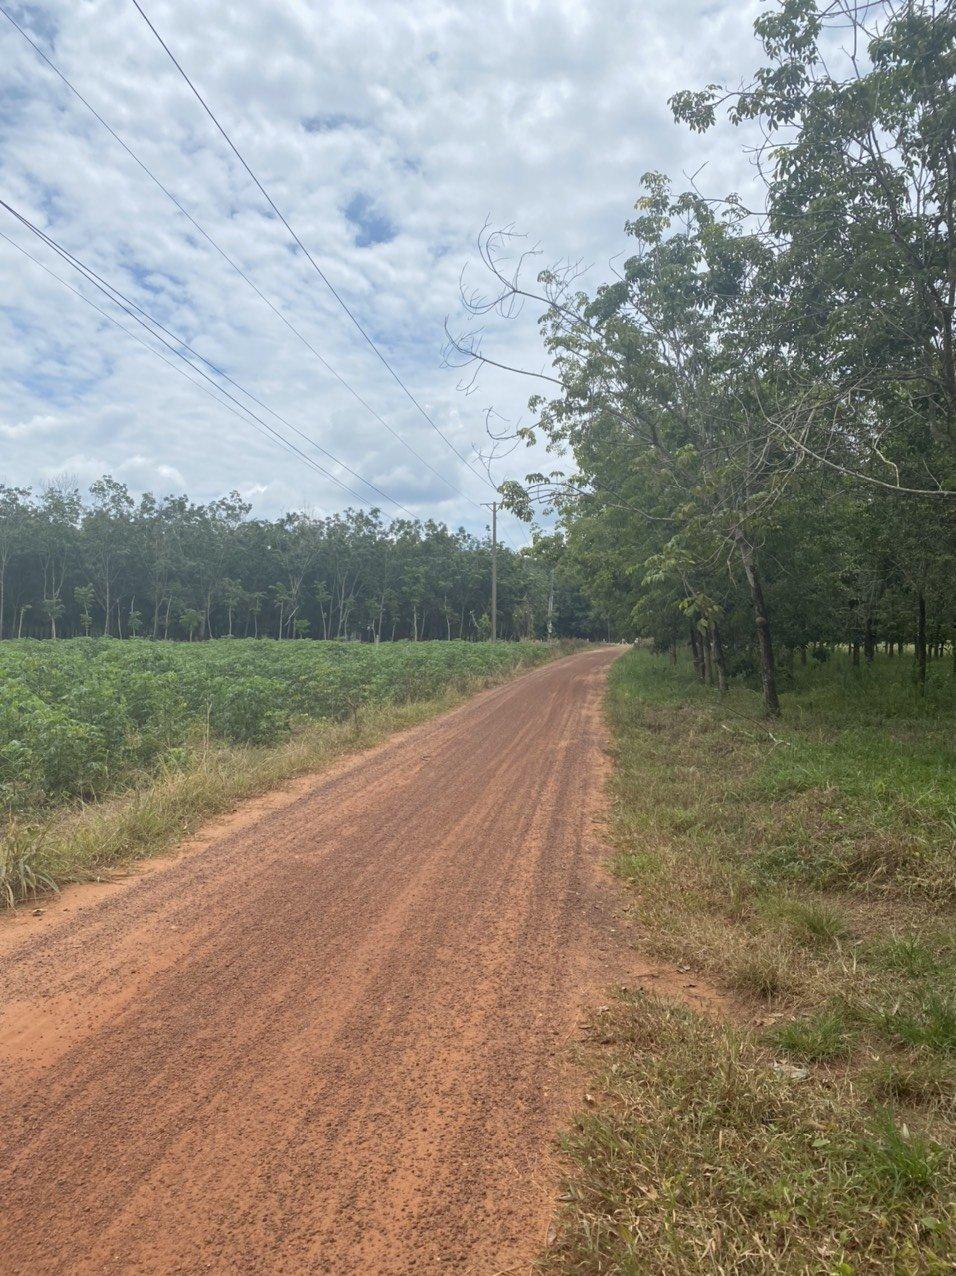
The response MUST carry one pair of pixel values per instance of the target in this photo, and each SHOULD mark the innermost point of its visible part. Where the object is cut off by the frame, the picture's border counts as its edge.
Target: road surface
(335, 1038)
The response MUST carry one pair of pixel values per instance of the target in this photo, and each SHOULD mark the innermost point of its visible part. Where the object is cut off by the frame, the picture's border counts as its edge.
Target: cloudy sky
(387, 133)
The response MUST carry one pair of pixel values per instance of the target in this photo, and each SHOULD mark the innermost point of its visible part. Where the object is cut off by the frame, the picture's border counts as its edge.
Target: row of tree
(168, 568)
(761, 404)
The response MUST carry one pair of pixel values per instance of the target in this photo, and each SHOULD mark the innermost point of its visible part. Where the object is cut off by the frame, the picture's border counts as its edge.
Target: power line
(315, 266)
(175, 366)
(120, 298)
(244, 413)
(231, 261)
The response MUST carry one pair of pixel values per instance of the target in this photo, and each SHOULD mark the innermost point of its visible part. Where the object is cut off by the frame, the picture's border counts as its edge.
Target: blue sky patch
(372, 226)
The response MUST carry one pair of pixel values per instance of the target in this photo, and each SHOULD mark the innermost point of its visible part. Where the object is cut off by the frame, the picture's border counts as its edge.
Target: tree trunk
(708, 657)
(854, 653)
(921, 640)
(768, 676)
(695, 652)
(720, 663)
(869, 640)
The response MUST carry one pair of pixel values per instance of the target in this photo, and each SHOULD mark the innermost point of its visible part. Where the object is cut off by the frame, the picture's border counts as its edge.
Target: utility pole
(494, 571)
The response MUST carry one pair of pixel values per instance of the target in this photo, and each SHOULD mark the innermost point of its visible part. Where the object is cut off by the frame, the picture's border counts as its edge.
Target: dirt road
(334, 1040)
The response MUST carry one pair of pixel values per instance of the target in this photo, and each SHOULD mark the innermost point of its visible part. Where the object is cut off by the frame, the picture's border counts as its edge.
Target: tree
(83, 596)
(107, 541)
(191, 620)
(664, 378)
(15, 517)
(858, 119)
(56, 543)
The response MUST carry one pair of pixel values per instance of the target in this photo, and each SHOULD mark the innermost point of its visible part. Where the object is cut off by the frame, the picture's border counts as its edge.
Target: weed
(761, 972)
(918, 1077)
(22, 875)
(709, 1160)
(930, 1022)
(910, 955)
(809, 922)
(909, 1163)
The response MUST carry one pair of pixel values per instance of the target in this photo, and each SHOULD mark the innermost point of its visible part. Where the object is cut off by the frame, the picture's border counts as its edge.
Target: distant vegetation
(114, 565)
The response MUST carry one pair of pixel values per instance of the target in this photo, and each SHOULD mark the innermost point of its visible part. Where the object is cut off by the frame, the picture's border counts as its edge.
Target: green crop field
(80, 719)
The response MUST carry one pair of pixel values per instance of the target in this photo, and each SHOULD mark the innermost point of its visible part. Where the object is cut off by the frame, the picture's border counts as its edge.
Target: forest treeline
(760, 403)
(112, 564)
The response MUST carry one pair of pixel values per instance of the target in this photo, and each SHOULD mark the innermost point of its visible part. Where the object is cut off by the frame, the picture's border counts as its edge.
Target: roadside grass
(807, 867)
(43, 850)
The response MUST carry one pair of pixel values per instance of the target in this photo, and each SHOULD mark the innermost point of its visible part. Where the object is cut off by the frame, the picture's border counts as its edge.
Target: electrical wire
(315, 266)
(239, 409)
(126, 303)
(230, 260)
(169, 362)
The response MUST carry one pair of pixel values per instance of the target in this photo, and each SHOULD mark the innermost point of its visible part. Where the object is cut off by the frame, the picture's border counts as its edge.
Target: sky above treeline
(388, 134)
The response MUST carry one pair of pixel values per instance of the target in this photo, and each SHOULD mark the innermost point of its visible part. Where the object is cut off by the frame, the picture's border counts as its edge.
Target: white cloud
(387, 133)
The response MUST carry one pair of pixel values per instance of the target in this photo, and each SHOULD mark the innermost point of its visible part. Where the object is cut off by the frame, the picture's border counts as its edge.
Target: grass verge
(806, 868)
(203, 780)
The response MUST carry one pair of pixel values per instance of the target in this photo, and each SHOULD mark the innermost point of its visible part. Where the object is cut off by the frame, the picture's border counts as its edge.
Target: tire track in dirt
(334, 1039)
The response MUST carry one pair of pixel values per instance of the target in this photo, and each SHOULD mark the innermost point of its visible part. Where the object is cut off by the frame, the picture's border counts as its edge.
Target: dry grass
(808, 869)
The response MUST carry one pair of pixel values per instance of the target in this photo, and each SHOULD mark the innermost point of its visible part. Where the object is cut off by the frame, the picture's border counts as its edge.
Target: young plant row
(80, 718)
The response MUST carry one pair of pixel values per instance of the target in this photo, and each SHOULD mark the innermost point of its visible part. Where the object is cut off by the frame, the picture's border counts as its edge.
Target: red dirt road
(334, 1039)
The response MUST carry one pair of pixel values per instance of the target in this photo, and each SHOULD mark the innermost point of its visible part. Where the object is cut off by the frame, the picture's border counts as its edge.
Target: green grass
(826, 1035)
(55, 842)
(703, 1158)
(806, 868)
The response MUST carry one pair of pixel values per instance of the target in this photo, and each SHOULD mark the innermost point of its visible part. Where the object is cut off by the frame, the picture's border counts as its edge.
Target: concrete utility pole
(494, 571)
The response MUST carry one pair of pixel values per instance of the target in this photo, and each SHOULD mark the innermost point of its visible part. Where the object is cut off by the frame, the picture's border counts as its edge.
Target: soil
(331, 1036)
